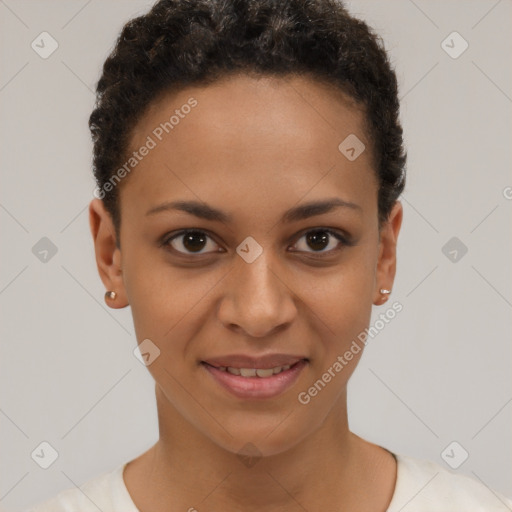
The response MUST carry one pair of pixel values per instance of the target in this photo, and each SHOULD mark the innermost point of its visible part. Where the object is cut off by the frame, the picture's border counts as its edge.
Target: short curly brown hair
(191, 42)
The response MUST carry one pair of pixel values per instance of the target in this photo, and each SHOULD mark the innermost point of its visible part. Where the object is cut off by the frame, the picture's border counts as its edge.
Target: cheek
(165, 303)
(343, 305)
(341, 311)
(170, 307)
(343, 299)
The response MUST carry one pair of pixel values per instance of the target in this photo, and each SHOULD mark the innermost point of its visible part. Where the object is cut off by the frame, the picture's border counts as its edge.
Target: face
(249, 241)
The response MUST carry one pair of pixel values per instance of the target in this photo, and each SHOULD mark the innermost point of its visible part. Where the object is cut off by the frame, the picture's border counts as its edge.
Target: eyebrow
(301, 212)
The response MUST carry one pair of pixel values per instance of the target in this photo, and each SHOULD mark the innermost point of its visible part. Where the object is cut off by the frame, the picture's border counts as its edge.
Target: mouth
(256, 380)
(254, 372)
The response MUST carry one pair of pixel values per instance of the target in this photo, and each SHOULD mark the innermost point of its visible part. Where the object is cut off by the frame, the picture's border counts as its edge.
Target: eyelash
(338, 236)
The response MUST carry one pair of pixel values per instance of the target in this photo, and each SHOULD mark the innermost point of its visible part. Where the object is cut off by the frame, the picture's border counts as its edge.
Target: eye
(321, 240)
(191, 242)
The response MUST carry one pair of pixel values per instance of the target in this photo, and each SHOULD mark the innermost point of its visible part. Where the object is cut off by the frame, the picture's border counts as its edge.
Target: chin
(271, 438)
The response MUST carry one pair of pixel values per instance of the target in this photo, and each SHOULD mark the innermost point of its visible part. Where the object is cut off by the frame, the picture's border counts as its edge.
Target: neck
(331, 467)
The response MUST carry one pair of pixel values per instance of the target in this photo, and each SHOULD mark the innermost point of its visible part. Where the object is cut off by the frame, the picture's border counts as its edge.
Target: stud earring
(385, 295)
(110, 295)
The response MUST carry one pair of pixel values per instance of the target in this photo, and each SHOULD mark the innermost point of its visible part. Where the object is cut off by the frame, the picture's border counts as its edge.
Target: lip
(264, 362)
(257, 387)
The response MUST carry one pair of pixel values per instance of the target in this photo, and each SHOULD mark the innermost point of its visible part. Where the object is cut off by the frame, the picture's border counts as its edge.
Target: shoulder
(105, 492)
(424, 486)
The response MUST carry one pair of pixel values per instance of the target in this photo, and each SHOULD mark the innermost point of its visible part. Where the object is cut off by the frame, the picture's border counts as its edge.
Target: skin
(253, 148)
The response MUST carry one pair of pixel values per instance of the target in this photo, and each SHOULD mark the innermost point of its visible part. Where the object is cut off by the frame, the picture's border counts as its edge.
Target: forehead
(264, 102)
(247, 133)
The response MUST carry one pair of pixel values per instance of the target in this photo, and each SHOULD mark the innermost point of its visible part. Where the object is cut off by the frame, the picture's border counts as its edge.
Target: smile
(254, 372)
(256, 383)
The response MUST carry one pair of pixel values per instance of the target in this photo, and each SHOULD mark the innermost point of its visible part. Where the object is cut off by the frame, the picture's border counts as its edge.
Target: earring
(385, 294)
(110, 295)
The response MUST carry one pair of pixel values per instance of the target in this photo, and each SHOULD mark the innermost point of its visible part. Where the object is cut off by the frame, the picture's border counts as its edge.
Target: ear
(386, 262)
(108, 255)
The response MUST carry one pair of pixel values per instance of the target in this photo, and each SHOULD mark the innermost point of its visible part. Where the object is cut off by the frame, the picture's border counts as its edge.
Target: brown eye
(192, 242)
(320, 241)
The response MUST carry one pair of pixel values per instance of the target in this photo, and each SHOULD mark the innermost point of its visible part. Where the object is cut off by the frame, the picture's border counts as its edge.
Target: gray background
(439, 372)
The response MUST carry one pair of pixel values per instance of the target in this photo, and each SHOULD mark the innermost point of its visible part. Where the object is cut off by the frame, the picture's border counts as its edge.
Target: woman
(249, 161)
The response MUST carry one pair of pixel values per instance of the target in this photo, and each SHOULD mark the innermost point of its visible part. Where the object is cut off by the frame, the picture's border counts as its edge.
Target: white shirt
(421, 486)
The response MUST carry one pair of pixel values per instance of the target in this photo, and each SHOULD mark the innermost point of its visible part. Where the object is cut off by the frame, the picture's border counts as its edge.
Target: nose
(257, 301)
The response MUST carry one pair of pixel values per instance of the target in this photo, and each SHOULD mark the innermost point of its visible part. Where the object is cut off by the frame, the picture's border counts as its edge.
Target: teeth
(265, 373)
(253, 372)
